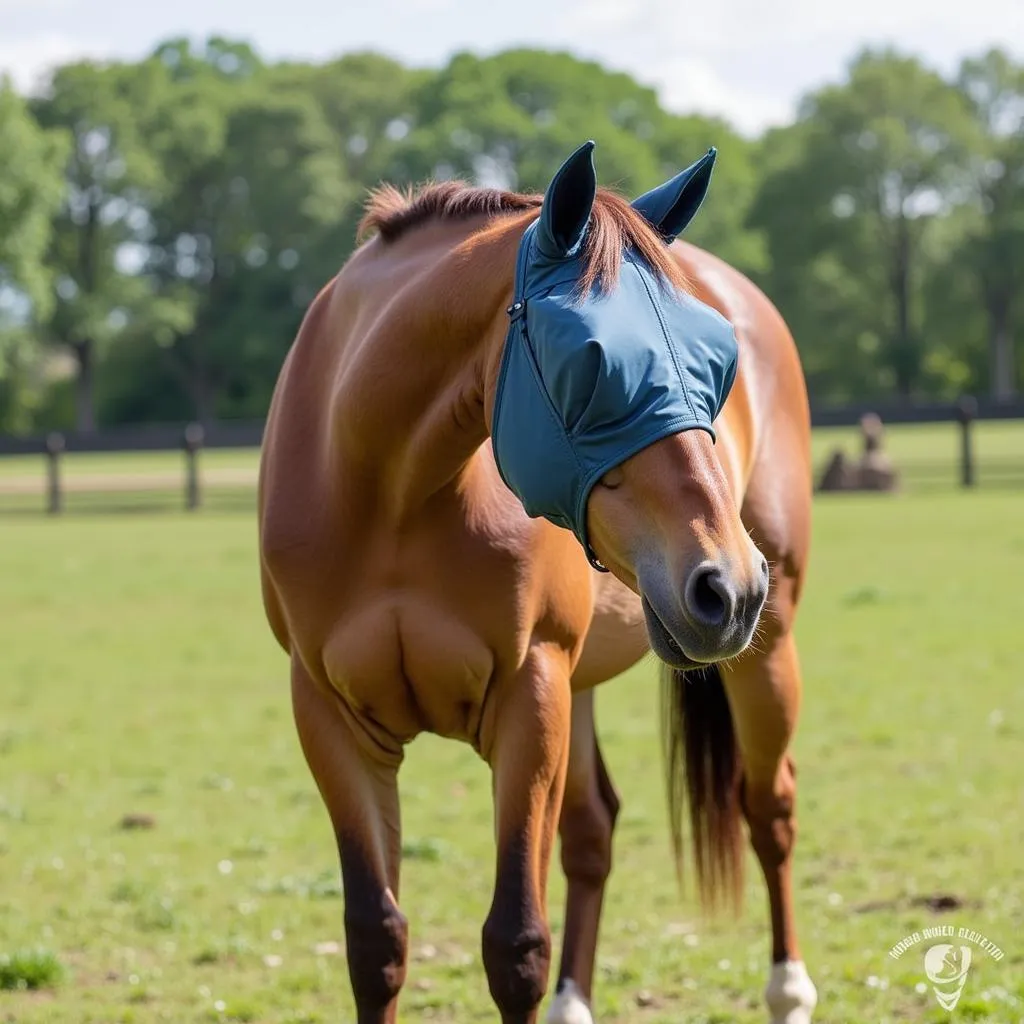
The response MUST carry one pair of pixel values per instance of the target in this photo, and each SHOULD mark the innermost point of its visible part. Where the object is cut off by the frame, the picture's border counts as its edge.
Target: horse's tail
(702, 767)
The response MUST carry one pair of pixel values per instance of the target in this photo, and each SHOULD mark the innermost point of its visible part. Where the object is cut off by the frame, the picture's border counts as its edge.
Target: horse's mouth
(663, 643)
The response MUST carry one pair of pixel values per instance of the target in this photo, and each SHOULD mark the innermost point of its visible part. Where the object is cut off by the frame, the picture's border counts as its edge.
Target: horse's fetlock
(517, 962)
(377, 945)
(790, 994)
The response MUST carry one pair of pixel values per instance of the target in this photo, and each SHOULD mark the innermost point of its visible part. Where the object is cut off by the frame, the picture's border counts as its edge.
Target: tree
(850, 194)
(994, 88)
(30, 192)
(204, 196)
(252, 183)
(369, 103)
(510, 119)
(110, 181)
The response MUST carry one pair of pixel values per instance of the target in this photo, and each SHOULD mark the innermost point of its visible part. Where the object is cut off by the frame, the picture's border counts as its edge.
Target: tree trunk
(198, 380)
(204, 395)
(85, 350)
(904, 356)
(1002, 371)
(85, 387)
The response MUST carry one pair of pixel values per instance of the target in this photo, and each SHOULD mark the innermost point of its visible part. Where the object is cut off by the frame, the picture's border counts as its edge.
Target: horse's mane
(614, 227)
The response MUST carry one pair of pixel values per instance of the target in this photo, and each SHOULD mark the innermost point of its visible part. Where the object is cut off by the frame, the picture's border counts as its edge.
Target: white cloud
(10, 8)
(29, 61)
(751, 60)
(688, 85)
(431, 6)
(732, 26)
(614, 14)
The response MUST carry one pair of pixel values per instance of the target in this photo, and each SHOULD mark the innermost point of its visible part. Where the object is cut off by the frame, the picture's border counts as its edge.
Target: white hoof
(569, 1006)
(790, 995)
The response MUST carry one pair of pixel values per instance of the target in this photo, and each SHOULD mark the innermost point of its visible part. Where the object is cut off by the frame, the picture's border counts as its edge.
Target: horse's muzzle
(712, 618)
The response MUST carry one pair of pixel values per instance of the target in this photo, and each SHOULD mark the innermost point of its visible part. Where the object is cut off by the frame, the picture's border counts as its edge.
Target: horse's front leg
(587, 823)
(358, 783)
(526, 742)
(764, 695)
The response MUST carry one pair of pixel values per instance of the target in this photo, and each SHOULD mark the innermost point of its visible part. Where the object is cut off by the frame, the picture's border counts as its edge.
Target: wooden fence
(195, 482)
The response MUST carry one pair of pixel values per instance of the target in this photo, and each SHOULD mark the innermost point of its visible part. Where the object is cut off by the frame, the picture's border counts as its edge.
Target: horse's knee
(517, 959)
(586, 833)
(769, 807)
(590, 809)
(377, 941)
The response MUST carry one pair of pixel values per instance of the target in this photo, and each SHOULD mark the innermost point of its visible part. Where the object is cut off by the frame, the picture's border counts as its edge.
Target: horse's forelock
(614, 226)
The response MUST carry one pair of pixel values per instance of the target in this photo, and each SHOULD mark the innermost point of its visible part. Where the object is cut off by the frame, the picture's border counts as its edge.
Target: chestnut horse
(498, 398)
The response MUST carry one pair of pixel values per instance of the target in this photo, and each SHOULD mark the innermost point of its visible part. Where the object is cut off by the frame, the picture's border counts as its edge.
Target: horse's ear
(567, 205)
(670, 207)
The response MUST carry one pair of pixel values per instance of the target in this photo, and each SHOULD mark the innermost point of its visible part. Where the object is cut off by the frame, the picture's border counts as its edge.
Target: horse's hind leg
(589, 810)
(359, 787)
(526, 742)
(764, 697)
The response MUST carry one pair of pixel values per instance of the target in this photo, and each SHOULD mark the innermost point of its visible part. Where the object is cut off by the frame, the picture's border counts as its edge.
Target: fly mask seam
(549, 405)
(668, 343)
(519, 316)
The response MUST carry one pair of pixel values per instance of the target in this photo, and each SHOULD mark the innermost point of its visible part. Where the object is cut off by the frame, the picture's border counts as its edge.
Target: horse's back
(770, 394)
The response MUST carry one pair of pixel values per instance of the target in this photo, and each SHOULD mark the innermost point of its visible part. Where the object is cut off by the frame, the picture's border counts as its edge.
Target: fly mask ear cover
(588, 381)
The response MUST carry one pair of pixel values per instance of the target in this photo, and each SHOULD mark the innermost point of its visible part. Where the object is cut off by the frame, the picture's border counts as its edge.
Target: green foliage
(30, 193)
(994, 246)
(28, 969)
(852, 194)
(236, 238)
(164, 223)
(110, 181)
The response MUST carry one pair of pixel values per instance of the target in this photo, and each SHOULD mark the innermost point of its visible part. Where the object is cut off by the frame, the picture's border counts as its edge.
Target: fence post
(54, 450)
(193, 442)
(968, 410)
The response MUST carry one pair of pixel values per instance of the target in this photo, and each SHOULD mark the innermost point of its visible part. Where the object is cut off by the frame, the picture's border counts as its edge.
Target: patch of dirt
(138, 821)
(937, 903)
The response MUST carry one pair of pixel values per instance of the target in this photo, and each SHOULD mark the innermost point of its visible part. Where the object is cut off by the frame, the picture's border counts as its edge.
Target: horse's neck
(420, 388)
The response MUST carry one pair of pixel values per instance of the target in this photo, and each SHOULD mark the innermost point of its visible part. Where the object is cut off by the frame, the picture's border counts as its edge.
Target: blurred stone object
(874, 470)
(839, 473)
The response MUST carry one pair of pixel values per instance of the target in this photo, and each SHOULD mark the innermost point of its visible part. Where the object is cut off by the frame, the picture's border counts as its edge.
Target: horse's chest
(412, 626)
(409, 664)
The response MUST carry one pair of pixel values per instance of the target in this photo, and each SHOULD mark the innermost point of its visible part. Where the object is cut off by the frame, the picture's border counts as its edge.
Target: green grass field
(140, 679)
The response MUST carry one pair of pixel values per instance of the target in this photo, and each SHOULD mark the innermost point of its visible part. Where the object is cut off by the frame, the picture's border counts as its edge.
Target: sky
(748, 60)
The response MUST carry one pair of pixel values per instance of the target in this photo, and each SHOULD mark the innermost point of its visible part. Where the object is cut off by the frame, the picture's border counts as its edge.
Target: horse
(519, 442)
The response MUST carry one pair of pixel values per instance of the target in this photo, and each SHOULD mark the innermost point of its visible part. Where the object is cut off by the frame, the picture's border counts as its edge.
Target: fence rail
(162, 437)
(46, 486)
(892, 413)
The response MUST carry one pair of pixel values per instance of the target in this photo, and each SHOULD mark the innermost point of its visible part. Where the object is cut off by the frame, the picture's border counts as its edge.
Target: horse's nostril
(709, 598)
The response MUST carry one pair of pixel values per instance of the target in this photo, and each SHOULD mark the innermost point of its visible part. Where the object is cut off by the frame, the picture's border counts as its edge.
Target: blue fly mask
(586, 381)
